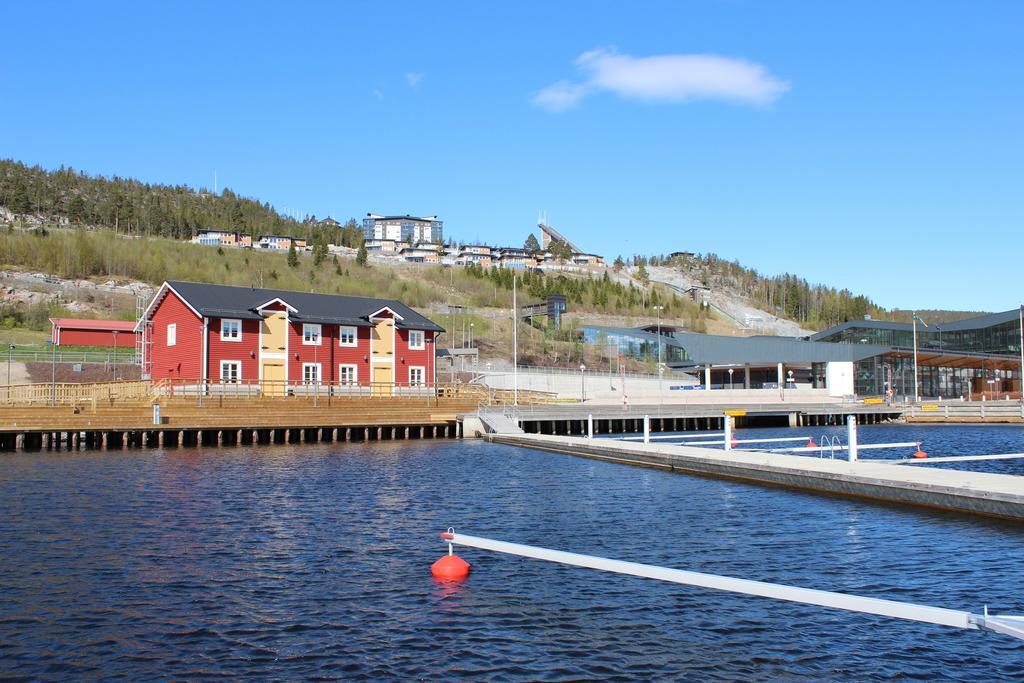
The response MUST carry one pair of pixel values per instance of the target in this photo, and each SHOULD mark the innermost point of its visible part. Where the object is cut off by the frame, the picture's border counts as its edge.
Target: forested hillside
(788, 296)
(130, 207)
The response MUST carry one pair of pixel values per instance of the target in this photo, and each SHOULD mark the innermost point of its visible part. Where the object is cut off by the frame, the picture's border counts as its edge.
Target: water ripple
(312, 562)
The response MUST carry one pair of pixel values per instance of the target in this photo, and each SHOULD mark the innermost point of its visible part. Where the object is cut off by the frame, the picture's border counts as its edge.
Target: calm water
(302, 562)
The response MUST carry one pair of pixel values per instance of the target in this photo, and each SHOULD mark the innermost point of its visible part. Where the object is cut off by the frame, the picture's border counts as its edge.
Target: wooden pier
(183, 422)
(966, 412)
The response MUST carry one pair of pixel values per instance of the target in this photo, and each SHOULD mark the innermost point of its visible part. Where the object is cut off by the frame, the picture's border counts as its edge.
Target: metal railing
(590, 372)
(95, 357)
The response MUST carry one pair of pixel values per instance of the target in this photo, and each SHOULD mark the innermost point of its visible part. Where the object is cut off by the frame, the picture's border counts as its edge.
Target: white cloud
(561, 95)
(669, 78)
(413, 78)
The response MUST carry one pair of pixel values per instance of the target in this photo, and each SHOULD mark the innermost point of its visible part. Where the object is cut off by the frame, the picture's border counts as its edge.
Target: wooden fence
(144, 391)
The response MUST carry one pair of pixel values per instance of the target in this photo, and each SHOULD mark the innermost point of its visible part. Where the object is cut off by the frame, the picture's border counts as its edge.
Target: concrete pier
(979, 493)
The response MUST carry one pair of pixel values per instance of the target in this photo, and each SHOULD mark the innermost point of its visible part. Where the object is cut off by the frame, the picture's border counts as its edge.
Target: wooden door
(275, 333)
(273, 379)
(383, 377)
(382, 341)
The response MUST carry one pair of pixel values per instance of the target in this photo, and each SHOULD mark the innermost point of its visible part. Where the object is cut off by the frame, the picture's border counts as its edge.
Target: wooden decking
(220, 420)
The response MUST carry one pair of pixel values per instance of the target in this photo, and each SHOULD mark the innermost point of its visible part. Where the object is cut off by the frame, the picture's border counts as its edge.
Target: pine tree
(293, 257)
(76, 209)
(618, 265)
(361, 255)
(531, 244)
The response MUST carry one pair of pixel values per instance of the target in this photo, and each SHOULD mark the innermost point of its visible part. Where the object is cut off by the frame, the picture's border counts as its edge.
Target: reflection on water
(314, 561)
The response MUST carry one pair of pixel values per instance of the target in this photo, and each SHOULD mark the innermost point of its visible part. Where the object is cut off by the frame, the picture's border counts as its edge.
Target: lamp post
(583, 383)
(10, 352)
(1020, 311)
(53, 374)
(316, 369)
(730, 379)
(917, 393)
(661, 368)
(515, 345)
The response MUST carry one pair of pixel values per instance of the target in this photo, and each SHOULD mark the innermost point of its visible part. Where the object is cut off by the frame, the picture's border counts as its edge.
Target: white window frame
(319, 334)
(354, 380)
(238, 371)
(344, 330)
(422, 381)
(237, 324)
(172, 334)
(314, 366)
(422, 337)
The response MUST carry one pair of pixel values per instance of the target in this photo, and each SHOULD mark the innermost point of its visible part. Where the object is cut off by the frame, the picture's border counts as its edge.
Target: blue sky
(871, 145)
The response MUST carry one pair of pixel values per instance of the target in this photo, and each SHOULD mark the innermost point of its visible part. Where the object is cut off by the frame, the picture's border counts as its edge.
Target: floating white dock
(983, 493)
(1005, 624)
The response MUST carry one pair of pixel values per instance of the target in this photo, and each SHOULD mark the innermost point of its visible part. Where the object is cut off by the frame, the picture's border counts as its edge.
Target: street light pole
(661, 368)
(515, 345)
(53, 375)
(583, 383)
(917, 393)
(1020, 311)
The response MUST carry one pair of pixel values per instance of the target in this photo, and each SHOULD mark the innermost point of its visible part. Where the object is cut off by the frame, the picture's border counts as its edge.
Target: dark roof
(710, 349)
(224, 301)
(93, 324)
(402, 218)
(975, 323)
(716, 349)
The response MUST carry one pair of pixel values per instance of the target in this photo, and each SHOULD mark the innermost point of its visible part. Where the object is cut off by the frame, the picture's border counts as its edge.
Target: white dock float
(1005, 624)
(958, 458)
(980, 493)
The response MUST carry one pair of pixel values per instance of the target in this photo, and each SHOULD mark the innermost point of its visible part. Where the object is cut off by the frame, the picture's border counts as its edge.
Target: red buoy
(450, 568)
(810, 443)
(920, 454)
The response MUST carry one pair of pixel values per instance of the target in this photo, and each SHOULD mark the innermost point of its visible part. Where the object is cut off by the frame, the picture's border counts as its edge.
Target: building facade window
(172, 334)
(348, 374)
(416, 339)
(310, 373)
(311, 334)
(417, 375)
(230, 371)
(230, 330)
(347, 336)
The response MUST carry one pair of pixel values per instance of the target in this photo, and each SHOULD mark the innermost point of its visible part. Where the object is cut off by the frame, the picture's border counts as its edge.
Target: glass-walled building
(636, 343)
(969, 358)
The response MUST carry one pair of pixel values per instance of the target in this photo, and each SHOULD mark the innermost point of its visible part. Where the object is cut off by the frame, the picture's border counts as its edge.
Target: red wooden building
(280, 339)
(85, 332)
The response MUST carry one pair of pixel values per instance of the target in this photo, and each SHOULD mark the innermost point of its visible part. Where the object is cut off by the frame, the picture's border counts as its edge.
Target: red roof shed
(86, 332)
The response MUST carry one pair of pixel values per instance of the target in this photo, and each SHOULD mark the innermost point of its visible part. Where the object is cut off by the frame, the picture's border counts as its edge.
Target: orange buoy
(810, 442)
(920, 454)
(450, 568)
